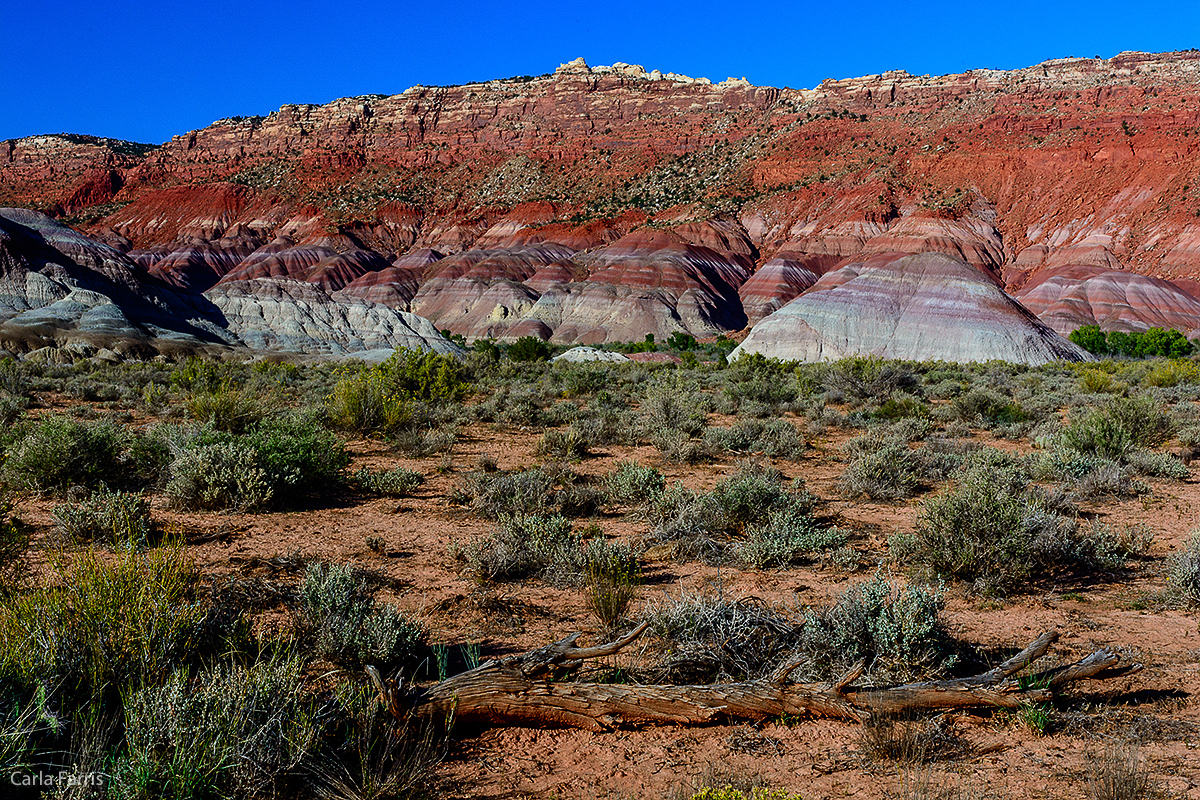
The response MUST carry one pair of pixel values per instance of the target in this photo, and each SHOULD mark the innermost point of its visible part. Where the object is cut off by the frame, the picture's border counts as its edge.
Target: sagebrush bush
(338, 619)
(709, 526)
(58, 452)
(897, 629)
(106, 516)
(632, 484)
(992, 529)
(869, 377)
(1183, 572)
(422, 442)
(789, 535)
(988, 407)
(571, 445)
(397, 482)
(708, 636)
(539, 490)
(222, 476)
(230, 730)
(774, 438)
(889, 471)
(546, 547)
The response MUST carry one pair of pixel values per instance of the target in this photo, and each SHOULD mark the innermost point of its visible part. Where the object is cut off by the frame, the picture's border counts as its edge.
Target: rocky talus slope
(600, 204)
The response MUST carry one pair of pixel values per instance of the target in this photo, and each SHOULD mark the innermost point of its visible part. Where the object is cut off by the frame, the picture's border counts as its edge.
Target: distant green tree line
(1152, 342)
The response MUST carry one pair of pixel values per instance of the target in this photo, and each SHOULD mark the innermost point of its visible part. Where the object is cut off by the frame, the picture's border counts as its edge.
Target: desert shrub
(546, 547)
(398, 482)
(338, 619)
(1172, 373)
(57, 453)
(901, 406)
(571, 445)
(1117, 773)
(1156, 465)
(421, 442)
(898, 630)
(1115, 429)
(706, 636)
(607, 426)
(789, 535)
(869, 377)
(528, 348)
(632, 484)
(1183, 572)
(890, 471)
(427, 376)
(104, 624)
(989, 407)
(672, 404)
(493, 495)
(221, 476)
(368, 756)
(106, 516)
(993, 530)
(367, 404)
(774, 438)
(708, 526)
(228, 407)
(1095, 381)
(299, 457)
(611, 578)
(755, 380)
(1107, 480)
(227, 731)
(677, 447)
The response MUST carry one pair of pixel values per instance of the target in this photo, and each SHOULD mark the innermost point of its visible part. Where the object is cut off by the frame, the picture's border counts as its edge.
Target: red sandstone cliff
(1070, 163)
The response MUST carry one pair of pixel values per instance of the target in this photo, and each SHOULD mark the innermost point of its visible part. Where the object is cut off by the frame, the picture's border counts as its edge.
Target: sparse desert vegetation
(200, 559)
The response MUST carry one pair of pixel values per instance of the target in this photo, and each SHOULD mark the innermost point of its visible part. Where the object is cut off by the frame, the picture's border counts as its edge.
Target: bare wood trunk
(521, 690)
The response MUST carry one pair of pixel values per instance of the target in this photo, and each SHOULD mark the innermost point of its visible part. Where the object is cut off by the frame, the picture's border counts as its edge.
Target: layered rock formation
(58, 286)
(658, 202)
(1072, 297)
(919, 307)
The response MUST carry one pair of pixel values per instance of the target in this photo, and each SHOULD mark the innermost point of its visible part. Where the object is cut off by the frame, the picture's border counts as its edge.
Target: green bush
(528, 348)
(571, 445)
(104, 624)
(631, 484)
(228, 407)
(897, 630)
(367, 404)
(338, 619)
(989, 407)
(58, 452)
(299, 458)
(227, 731)
(222, 476)
(398, 482)
(111, 517)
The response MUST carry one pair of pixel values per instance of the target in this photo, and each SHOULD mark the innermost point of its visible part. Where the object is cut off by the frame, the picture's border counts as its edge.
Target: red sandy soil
(816, 758)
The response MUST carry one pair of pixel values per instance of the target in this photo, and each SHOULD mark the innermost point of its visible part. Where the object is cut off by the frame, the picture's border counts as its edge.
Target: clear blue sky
(141, 70)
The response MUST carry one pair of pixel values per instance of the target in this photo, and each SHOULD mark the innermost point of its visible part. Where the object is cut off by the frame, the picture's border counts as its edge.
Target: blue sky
(147, 70)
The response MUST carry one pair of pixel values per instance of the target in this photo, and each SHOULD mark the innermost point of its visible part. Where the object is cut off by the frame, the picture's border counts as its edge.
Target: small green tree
(529, 348)
(1090, 338)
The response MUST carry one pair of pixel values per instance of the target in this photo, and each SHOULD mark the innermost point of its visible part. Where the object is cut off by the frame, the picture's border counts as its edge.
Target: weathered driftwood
(522, 690)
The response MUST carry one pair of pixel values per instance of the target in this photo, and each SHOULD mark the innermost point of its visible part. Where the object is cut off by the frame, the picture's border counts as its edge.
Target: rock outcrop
(658, 202)
(922, 307)
(1072, 297)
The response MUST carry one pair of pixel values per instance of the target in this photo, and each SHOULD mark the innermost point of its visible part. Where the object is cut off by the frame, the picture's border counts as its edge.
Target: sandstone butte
(598, 204)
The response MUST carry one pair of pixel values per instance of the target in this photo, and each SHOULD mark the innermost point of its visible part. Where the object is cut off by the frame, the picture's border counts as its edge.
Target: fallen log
(525, 690)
